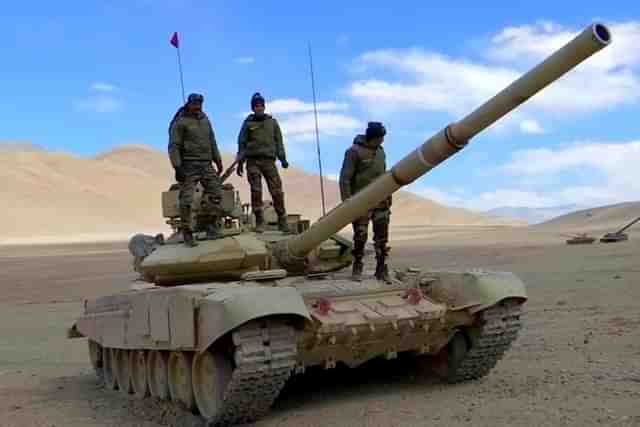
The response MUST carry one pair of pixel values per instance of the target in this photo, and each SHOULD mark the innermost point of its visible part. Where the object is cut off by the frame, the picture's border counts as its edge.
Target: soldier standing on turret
(260, 144)
(363, 162)
(192, 149)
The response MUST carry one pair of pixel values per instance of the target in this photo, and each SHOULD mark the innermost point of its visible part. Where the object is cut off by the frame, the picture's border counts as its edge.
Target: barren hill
(611, 218)
(57, 196)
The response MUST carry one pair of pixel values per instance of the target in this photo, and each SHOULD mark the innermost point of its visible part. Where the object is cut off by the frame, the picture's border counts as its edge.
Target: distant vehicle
(618, 236)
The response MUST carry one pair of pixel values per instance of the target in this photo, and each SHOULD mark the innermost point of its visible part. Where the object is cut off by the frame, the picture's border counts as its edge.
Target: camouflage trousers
(202, 172)
(380, 218)
(256, 169)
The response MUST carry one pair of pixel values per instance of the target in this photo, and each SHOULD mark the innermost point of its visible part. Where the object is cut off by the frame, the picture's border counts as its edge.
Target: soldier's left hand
(284, 163)
(219, 167)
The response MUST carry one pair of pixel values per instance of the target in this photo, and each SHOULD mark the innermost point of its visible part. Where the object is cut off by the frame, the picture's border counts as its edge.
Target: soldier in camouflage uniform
(141, 246)
(363, 162)
(259, 145)
(192, 149)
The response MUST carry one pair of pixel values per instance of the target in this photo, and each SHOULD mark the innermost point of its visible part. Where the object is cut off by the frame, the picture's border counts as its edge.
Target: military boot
(382, 271)
(212, 231)
(356, 273)
(259, 222)
(187, 234)
(282, 224)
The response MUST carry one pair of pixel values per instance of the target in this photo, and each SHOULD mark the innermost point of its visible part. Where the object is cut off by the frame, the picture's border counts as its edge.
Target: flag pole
(175, 42)
(181, 78)
(315, 112)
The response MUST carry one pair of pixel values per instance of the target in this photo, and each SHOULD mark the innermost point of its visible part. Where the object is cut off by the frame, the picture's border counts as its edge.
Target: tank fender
(473, 291)
(228, 308)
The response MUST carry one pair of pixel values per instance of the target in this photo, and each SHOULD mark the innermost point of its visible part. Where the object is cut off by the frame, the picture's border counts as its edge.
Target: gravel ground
(576, 363)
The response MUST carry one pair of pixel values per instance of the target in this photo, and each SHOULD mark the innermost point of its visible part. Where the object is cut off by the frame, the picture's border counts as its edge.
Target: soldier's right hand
(240, 169)
(179, 174)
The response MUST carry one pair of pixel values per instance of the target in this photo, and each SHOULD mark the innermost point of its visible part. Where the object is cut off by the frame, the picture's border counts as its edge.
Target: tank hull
(322, 322)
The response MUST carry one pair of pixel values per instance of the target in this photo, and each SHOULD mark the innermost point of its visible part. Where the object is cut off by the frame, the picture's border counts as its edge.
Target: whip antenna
(315, 112)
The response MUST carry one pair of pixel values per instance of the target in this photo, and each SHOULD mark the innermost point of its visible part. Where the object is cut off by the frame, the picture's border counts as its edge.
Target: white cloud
(99, 104)
(298, 121)
(615, 176)
(102, 100)
(103, 87)
(531, 126)
(534, 42)
(430, 81)
(609, 175)
(486, 200)
(293, 105)
(301, 127)
(435, 82)
(287, 106)
(614, 159)
(246, 60)
(448, 198)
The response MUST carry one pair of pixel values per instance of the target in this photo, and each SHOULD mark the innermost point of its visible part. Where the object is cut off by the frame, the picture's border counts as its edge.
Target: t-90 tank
(222, 326)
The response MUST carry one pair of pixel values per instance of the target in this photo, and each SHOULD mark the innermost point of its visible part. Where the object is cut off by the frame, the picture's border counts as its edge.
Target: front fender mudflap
(227, 308)
(474, 290)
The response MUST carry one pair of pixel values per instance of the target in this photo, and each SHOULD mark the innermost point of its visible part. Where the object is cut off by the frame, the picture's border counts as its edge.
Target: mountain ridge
(60, 195)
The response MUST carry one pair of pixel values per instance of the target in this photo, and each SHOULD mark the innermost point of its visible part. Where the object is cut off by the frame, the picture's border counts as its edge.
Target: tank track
(265, 356)
(264, 353)
(501, 327)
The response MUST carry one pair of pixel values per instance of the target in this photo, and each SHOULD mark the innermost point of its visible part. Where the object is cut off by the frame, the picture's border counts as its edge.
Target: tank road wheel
(157, 374)
(240, 388)
(95, 356)
(179, 375)
(211, 375)
(138, 364)
(473, 354)
(110, 380)
(447, 362)
(123, 370)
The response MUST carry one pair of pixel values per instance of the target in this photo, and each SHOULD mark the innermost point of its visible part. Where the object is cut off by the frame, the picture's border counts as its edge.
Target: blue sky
(86, 77)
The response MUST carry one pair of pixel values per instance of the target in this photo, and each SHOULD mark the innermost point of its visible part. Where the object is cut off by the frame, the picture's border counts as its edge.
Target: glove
(284, 163)
(179, 174)
(240, 169)
(219, 167)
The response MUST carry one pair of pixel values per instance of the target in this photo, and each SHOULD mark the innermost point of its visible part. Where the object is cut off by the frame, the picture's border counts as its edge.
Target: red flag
(174, 40)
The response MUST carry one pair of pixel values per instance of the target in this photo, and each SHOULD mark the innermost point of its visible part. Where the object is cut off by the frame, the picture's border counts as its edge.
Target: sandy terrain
(609, 218)
(50, 197)
(576, 363)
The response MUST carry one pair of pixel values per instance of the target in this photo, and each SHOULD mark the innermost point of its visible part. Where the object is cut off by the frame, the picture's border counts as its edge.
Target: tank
(580, 239)
(221, 327)
(618, 236)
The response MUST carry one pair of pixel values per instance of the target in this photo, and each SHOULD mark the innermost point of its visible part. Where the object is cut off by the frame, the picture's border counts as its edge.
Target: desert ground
(576, 362)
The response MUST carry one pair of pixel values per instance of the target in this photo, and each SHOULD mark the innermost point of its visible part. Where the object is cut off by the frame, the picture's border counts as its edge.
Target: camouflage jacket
(192, 138)
(261, 138)
(362, 164)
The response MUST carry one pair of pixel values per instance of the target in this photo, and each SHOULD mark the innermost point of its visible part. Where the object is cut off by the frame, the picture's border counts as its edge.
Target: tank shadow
(376, 378)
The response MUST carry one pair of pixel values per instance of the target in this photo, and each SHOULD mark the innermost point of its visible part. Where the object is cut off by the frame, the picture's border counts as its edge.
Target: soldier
(141, 246)
(260, 144)
(192, 149)
(363, 162)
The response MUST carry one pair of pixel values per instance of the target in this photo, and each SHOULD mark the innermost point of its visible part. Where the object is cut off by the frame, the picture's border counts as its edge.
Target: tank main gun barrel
(628, 225)
(447, 142)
